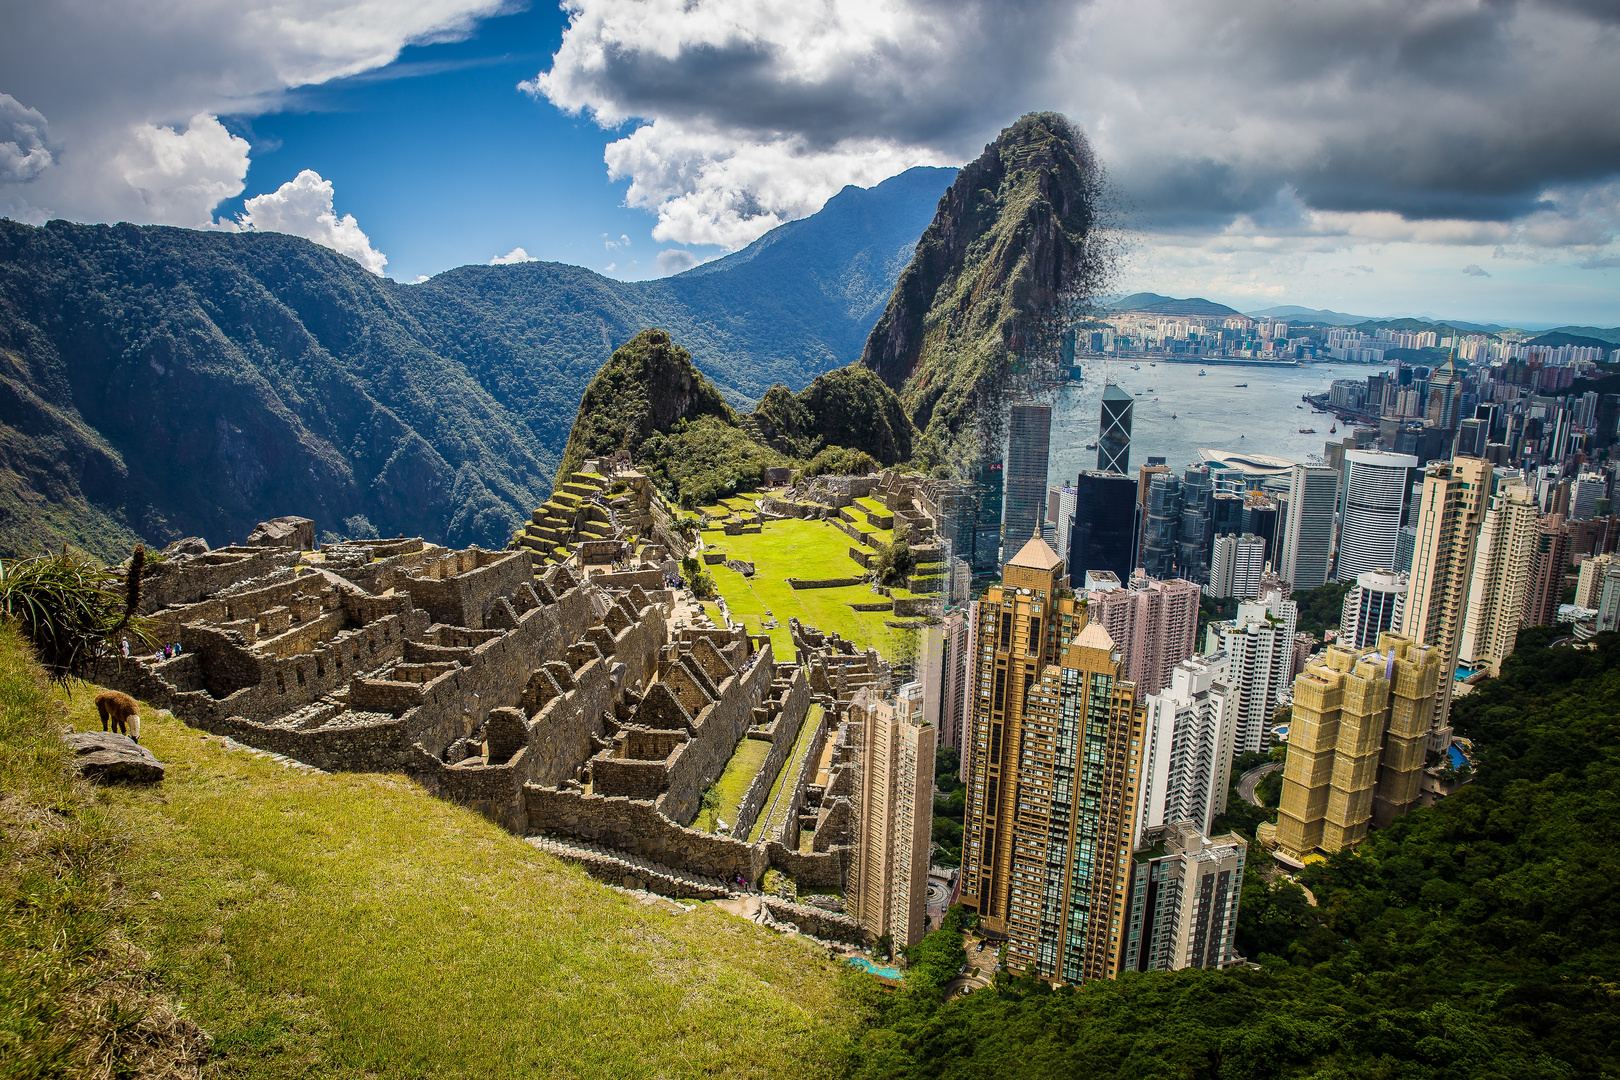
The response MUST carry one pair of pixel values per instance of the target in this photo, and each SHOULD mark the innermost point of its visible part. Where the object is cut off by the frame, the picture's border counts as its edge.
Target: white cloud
(1475, 270)
(516, 255)
(303, 207)
(132, 92)
(675, 260)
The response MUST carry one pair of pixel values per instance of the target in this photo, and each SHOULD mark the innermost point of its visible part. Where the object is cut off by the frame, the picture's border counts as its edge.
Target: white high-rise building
(1235, 566)
(894, 815)
(942, 667)
(1501, 577)
(1584, 493)
(1187, 751)
(1184, 903)
(1372, 606)
(1376, 504)
(1259, 658)
(1307, 547)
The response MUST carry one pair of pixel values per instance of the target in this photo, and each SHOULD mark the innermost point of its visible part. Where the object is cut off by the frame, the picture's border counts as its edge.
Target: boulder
(293, 532)
(108, 758)
(191, 545)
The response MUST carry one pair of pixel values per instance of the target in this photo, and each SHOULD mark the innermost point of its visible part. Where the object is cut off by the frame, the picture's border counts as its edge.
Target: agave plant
(70, 607)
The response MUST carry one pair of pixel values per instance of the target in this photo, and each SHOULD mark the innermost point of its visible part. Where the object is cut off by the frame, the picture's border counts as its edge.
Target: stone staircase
(571, 514)
(629, 871)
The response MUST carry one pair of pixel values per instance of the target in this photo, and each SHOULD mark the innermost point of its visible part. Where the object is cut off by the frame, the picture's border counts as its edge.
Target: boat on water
(1307, 431)
(1240, 385)
(1172, 416)
(1136, 367)
(1333, 430)
(1091, 446)
(1201, 371)
(1299, 406)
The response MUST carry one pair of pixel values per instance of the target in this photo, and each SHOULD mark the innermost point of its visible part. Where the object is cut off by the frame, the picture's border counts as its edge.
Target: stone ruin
(556, 704)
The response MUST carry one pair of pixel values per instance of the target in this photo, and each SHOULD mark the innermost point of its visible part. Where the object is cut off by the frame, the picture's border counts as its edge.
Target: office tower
(1259, 649)
(1357, 745)
(1104, 525)
(1114, 434)
(1445, 387)
(1549, 558)
(987, 491)
(894, 815)
(1193, 531)
(1447, 523)
(1405, 546)
(1061, 512)
(1051, 808)
(1187, 747)
(1590, 583)
(1225, 518)
(1584, 494)
(1236, 565)
(1161, 521)
(1184, 903)
(1372, 607)
(1153, 624)
(1260, 518)
(1029, 439)
(1472, 437)
(1377, 502)
(1606, 596)
(1502, 563)
(1313, 496)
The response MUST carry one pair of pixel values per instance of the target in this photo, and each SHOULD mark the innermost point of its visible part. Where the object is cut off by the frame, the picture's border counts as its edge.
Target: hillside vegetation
(159, 382)
(348, 926)
(1475, 939)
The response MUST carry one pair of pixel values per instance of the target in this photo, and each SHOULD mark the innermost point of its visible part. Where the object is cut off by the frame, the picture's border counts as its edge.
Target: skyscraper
(1549, 558)
(987, 498)
(1184, 902)
(1104, 525)
(1372, 606)
(1187, 747)
(895, 818)
(1114, 435)
(1377, 502)
(1258, 647)
(1313, 495)
(1502, 564)
(1051, 807)
(1161, 522)
(1448, 523)
(1356, 748)
(1445, 389)
(1154, 626)
(1061, 502)
(1236, 565)
(1029, 437)
(1193, 532)
(942, 662)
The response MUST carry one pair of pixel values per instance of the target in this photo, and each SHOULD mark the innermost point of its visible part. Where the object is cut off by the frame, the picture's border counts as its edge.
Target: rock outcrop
(108, 758)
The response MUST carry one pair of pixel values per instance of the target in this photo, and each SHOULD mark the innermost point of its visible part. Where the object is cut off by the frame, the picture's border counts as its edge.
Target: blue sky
(1421, 156)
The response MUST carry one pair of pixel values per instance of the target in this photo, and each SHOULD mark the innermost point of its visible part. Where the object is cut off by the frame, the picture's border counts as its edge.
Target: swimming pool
(866, 965)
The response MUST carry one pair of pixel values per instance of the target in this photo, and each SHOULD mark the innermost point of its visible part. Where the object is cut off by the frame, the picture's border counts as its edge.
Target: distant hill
(1155, 304)
(1585, 336)
(159, 382)
(1319, 316)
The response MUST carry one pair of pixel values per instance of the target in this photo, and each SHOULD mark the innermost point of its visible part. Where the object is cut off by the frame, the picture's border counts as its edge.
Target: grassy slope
(352, 926)
(803, 549)
(734, 782)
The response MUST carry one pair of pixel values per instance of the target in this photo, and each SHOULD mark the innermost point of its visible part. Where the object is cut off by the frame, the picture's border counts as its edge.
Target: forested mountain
(159, 382)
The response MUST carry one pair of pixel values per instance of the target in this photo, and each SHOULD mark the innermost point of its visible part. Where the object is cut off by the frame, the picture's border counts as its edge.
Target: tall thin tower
(1114, 442)
(1029, 441)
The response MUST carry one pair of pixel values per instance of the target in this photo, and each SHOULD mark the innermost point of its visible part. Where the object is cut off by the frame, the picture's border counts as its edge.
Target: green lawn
(352, 926)
(733, 783)
(866, 502)
(800, 548)
(791, 768)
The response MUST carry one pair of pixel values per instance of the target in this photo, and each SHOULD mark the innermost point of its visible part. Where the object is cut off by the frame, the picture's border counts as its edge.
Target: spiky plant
(70, 607)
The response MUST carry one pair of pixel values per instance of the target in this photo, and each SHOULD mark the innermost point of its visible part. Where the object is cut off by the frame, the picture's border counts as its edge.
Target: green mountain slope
(158, 382)
(1006, 249)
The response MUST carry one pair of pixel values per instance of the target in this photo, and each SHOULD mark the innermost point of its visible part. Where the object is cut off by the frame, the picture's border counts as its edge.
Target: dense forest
(1478, 938)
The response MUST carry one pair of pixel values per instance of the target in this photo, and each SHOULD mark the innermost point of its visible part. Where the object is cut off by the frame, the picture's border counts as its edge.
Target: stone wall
(826, 925)
(784, 730)
(637, 827)
(459, 588)
(719, 728)
(190, 579)
(824, 583)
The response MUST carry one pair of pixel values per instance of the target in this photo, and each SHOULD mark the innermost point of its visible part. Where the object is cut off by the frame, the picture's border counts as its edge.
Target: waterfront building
(1185, 892)
(1376, 503)
(1188, 733)
(1357, 745)
(1051, 809)
(1498, 591)
(1029, 443)
(1307, 546)
(1153, 624)
(1372, 606)
(1114, 432)
(894, 815)
(1104, 531)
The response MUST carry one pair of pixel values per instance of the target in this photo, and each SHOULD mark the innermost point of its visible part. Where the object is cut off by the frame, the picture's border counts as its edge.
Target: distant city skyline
(1260, 154)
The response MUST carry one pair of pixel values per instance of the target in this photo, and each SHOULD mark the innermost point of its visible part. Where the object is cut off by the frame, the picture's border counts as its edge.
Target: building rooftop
(1095, 637)
(1036, 555)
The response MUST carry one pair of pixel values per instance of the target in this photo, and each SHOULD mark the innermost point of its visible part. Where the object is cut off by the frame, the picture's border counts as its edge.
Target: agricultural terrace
(809, 550)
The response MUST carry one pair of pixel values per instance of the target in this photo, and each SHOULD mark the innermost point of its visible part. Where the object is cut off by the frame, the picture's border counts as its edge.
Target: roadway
(1247, 781)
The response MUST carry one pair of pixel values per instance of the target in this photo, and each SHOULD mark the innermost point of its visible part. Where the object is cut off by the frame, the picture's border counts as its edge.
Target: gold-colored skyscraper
(1356, 744)
(1051, 811)
(1448, 524)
